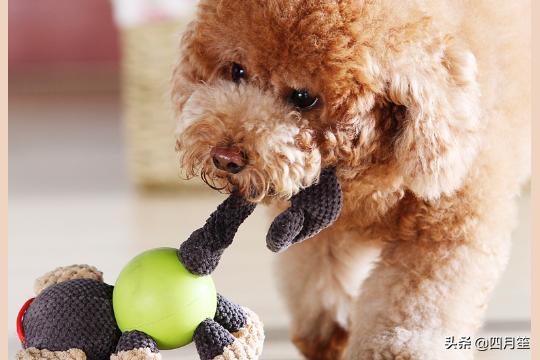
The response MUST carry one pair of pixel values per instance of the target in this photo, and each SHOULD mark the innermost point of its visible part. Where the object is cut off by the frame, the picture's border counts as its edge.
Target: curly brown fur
(324, 348)
(424, 111)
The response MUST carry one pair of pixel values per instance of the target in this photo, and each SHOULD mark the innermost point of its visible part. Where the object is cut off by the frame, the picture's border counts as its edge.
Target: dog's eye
(303, 100)
(237, 72)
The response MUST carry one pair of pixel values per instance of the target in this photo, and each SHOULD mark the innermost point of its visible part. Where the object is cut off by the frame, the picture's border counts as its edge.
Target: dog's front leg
(423, 293)
(320, 279)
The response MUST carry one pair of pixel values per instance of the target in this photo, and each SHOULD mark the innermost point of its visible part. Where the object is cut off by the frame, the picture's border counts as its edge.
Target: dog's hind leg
(320, 279)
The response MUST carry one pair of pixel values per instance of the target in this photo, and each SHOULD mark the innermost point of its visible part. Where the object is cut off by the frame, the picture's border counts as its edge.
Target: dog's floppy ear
(184, 71)
(193, 65)
(439, 136)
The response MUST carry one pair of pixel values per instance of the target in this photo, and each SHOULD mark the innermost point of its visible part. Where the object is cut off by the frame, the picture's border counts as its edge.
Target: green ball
(157, 295)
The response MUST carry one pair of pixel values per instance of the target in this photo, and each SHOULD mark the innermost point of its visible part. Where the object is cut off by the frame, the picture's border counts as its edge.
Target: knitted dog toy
(72, 316)
(312, 210)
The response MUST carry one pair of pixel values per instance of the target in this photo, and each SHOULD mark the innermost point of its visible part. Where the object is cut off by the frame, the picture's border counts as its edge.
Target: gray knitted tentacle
(229, 315)
(135, 339)
(315, 207)
(322, 204)
(211, 339)
(284, 229)
(201, 252)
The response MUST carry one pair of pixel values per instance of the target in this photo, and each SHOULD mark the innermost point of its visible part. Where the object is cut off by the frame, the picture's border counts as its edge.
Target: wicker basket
(149, 52)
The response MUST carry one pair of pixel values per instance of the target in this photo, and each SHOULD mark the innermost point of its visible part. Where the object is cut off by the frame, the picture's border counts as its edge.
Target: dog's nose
(228, 159)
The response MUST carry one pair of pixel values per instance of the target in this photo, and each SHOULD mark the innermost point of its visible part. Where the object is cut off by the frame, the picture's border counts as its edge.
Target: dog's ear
(192, 68)
(184, 71)
(438, 138)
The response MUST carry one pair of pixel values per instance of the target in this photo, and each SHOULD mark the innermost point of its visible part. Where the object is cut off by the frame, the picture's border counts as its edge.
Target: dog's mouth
(250, 182)
(262, 178)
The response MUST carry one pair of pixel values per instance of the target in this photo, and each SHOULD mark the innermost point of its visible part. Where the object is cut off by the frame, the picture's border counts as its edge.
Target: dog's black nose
(228, 159)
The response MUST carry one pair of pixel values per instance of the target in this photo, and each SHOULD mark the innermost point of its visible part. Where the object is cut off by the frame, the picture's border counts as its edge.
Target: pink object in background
(55, 32)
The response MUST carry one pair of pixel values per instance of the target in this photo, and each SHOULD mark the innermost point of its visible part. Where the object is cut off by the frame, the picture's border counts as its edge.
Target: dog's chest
(372, 213)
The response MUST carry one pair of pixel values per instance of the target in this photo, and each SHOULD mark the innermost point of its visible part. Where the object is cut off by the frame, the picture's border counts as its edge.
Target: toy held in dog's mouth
(312, 210)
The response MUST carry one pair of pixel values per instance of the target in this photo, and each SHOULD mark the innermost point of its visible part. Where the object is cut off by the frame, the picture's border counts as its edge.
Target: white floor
(71, 202)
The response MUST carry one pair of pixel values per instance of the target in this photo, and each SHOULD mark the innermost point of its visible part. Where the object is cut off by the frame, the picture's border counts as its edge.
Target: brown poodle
(423, 107)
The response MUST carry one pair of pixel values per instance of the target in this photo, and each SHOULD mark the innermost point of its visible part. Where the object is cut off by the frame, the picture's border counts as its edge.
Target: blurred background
(93, 174)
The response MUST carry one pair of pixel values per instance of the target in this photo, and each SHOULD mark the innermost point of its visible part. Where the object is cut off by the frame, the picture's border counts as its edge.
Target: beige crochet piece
(66, 273)
(136, 354)
(36, 354)
(249, 340)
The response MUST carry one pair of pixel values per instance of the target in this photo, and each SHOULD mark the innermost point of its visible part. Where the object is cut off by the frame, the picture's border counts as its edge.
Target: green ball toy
(155, 294)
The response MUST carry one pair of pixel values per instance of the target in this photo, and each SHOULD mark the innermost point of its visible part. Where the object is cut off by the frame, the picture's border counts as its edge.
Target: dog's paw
(401, 344)
(327, 348)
